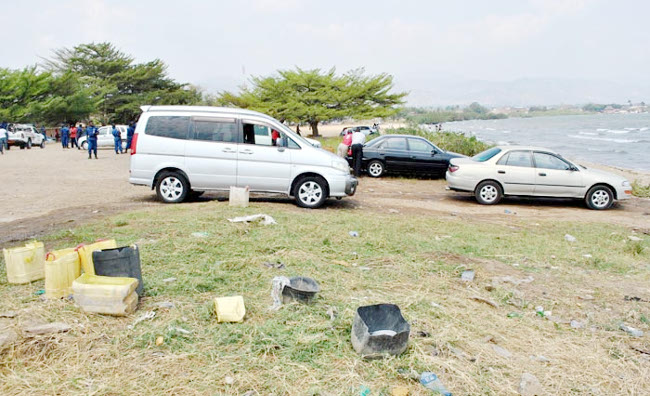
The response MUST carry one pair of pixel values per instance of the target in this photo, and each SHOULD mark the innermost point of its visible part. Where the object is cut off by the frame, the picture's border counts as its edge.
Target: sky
(218, 45)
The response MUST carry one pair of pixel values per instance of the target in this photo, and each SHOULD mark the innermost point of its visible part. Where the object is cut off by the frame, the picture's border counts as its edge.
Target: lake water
(621, 140)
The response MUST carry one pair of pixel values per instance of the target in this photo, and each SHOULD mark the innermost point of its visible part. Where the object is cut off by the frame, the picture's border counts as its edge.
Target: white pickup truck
(25, 136)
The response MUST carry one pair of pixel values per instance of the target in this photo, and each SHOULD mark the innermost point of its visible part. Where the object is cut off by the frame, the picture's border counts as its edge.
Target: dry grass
(298, 350)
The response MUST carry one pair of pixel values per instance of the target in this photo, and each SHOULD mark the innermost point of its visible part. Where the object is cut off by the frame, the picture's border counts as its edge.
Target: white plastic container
(86, 253)
(239, 196)
(25, 264)
(62, 267)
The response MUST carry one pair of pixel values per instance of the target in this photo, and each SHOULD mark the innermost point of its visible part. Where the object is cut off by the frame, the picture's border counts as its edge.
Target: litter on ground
(260, 218)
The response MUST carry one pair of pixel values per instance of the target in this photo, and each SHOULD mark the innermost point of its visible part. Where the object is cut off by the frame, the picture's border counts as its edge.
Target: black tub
(123, 261)
(379, 330)
(300, 288)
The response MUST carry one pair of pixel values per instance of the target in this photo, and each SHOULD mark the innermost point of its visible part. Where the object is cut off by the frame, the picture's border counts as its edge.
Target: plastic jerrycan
(25, 264)
(62, 267)
(86, 253)
(106, 294)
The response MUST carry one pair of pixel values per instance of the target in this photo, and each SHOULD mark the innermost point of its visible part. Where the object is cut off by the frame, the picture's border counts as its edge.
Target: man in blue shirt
(91, 133)
(65, 133)
(118, 140)
(129, 135)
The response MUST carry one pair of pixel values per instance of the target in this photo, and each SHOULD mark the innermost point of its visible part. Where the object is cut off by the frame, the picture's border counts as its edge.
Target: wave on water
(588, 133)
(618, 131)
(490, 129)
(603, 139)
(602, 129)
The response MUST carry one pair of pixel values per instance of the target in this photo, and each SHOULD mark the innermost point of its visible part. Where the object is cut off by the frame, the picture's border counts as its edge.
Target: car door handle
(246, 152)
(228, 151)
(413, 157)
(382, 154)
(542, 174)
(502, 172)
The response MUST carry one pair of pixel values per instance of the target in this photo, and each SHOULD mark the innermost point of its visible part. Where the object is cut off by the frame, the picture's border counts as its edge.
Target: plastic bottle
(431, 381)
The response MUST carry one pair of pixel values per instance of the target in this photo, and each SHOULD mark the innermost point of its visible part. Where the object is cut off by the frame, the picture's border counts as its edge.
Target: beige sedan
(532, 171)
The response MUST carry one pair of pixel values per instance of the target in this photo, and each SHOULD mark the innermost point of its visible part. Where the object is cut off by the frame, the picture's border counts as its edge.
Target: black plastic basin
(300, 288)
(380, 330)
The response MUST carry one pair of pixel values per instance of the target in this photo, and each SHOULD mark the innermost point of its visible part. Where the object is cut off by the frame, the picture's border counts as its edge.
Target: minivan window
(175, 127)
(260, 135)
(215, 130)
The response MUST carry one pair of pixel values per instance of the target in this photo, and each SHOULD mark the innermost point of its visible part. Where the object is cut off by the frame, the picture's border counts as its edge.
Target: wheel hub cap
(171, 188)
(489, 193)
(600, 198)
(310, 193)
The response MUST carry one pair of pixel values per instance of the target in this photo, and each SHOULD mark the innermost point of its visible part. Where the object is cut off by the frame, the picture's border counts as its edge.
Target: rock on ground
(529, 385)
(48, 328)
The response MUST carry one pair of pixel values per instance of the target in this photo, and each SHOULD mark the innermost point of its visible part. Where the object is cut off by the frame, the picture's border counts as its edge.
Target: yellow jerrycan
(106, 294)
(230, 309)
(86, 253)
(62, 267)
(25, 264)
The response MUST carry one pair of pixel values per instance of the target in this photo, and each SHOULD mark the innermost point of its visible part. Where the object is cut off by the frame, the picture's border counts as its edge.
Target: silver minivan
(183, 151)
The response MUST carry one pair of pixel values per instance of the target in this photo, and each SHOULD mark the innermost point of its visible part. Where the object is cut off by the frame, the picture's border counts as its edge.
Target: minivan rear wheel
(311, 192)
(172, 187)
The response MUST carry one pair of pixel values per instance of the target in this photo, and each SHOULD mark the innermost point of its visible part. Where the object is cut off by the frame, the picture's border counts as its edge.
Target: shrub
(450, 141)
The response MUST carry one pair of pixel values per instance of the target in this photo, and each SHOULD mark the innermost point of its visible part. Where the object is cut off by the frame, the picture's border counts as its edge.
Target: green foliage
(640, 190)
(22, 92)
(313, 96)
(115, 86)
(450, 141)
(474, 111)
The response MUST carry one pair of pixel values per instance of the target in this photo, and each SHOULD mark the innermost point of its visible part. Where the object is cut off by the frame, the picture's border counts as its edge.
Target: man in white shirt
(358, 139)
(4, 137)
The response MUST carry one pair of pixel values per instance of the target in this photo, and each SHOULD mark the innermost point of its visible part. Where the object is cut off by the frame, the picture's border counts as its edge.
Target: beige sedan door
(555, 177)
(516, 173)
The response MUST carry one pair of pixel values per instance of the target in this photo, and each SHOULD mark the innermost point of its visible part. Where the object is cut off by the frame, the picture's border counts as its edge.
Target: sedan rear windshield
(486, 155)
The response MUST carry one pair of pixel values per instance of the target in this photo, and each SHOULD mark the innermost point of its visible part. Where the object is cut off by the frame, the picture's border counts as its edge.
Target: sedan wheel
(600, 198)
(488, 193)
(172, 188)
(375, 168)
(311, 192)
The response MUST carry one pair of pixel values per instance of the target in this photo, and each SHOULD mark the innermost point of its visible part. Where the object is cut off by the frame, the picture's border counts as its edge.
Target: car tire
(84, 145)
(375, 168)
(29, 144)
(599, 198)
(22, 146)
(172, 187)
(42, 145)
(488, 193)
(311, 192)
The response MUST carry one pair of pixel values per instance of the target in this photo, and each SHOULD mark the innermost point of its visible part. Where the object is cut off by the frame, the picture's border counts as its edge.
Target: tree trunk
(298, 129)
(314, 128)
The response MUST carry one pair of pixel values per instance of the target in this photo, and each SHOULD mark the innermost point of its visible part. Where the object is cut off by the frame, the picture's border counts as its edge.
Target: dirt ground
(44, 190)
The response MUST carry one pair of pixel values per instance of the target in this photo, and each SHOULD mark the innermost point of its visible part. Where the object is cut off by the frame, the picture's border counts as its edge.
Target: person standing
(4, 138)
(129, 135)
(65, 134)
(91, 133)
(344, 146)
(118, 140)
(73, 137)
(358, 139)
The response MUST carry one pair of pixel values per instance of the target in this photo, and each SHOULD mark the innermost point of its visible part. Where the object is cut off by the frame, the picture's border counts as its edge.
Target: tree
(22, 92)
(115, 85)
(314, 96)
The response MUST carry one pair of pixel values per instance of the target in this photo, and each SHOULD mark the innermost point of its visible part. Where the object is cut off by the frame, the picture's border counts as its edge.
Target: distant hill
(525, 92)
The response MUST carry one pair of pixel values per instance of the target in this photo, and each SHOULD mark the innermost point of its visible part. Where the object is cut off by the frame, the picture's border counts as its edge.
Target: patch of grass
(456, 142)
(640, 190)
(298, 349)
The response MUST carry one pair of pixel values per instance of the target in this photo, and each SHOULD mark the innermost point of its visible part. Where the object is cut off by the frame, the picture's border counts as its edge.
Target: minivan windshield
(486, 155)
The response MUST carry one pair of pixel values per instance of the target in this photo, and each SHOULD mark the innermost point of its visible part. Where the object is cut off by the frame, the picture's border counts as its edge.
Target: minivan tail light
(453, 168)
(134, 143)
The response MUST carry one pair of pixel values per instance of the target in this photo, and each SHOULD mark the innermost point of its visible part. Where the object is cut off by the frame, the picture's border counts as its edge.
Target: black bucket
(379, 330)
(120, 262)
(300, 288)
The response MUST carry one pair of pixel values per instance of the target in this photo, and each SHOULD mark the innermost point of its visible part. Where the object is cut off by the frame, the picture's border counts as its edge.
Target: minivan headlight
(341, 165)
(626, 183)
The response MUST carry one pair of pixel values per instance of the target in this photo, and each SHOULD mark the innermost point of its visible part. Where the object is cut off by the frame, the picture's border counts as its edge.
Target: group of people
(69, 136)
(352, 144)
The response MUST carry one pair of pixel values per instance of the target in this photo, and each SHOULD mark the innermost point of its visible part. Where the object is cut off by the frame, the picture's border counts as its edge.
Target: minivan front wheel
(172, 187)
(311, 192)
